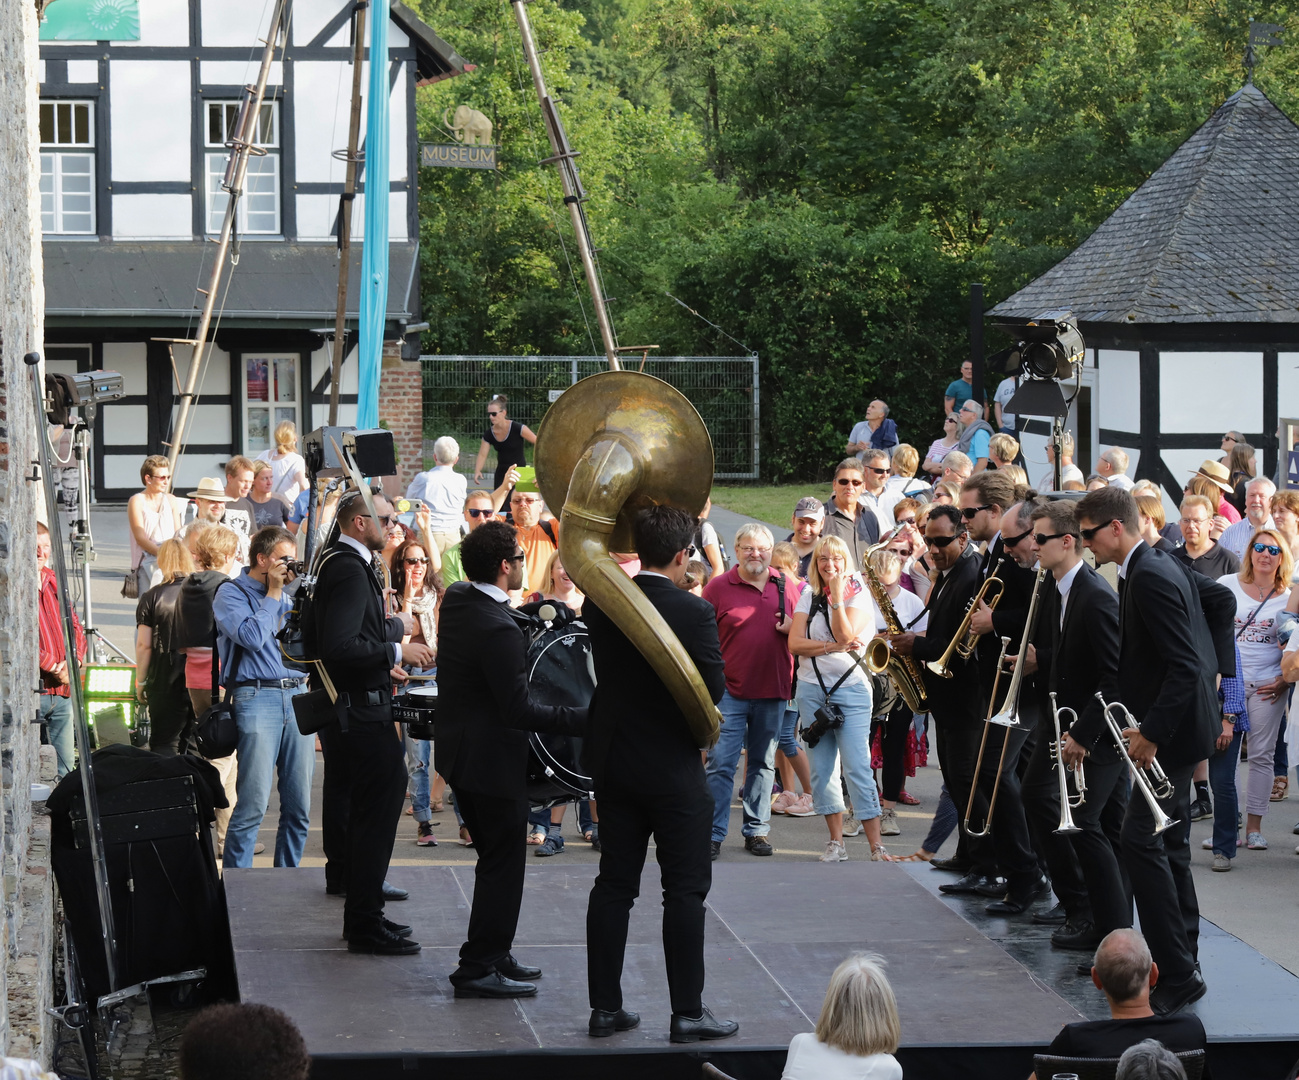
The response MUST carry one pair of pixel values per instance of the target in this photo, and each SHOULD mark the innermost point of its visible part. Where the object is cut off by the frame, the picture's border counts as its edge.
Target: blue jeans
(848, 746)
(751, 724)
(787, 741)
(1222, 779)
(269, 741)
(418, 752)
(57, 713)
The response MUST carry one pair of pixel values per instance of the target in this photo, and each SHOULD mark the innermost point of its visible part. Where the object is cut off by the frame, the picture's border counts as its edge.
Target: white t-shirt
(284, 469)
(856, 595)
(1260, 655)
(811, 1059)
(1006, 391)
(908, 606)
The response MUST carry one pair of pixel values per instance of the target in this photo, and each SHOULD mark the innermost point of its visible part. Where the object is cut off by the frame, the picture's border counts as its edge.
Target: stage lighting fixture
(110, 702)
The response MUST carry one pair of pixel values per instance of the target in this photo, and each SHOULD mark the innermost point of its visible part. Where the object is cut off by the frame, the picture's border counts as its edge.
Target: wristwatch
(836, 607)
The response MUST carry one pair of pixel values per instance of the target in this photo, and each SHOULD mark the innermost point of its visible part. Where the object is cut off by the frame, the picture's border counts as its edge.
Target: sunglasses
(517, 558)
(1271, 549)
(480, 513)
(493, 414)
(414, 562)
(1042, 538)
(878, 472)
(905, 521)
(941, 541)
(950, 420)
(385, 520)
(846, 481)
(1013, 541)
(971, 512)
(1087, 534)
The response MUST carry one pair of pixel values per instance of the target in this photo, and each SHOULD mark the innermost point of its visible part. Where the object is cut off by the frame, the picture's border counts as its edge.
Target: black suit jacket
(484, 709)
(1169, 655)
(1084, 659)
(1008, 619)
(636, 724)
(351, 634)
(956, 698)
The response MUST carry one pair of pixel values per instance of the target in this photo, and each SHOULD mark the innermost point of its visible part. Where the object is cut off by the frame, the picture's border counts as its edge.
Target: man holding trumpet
(1175, 638)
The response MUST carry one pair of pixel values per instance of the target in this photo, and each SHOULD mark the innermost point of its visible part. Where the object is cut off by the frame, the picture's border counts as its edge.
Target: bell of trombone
(1009, 716)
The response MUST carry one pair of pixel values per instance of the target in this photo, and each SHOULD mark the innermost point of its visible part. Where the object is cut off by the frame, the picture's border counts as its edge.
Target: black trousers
(1011, 848)
(957, 744)
(1098, 845)
(1040, 789)
(893, 749)
(498, 826)
(1160, 869)
(632, 810)
(170, 712)
(363, 792)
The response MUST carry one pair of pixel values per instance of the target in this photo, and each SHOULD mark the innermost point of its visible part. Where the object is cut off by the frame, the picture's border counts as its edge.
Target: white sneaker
(835, 852)
(781, 803)
(1207, 843)
(801, 807)
(1221, 864)
(889, 823)
(851, 826)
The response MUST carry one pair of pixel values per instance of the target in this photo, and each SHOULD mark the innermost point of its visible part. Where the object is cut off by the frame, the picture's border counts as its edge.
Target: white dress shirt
(1064, 585)
(369, 557)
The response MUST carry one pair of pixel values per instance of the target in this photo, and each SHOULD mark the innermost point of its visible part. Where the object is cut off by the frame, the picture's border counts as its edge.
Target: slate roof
(154, 282)
(1211, 237)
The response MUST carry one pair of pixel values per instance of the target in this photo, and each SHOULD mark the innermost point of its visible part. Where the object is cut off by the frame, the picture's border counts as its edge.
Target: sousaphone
(613, 444)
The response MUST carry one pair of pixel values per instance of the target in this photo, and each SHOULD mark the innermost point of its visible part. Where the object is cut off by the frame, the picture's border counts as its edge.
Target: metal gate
(457, 388)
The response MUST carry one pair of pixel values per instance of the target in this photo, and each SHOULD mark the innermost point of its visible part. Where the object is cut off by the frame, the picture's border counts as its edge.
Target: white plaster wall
(125, 425)
(239, 72)
(153, 217)
(241, 23)
(1199, 391)
(210, 424)
(1287, 372)
(323, 91)
(320, 415)
(129, 358)
(1119, 371)
(150, 118)
(310, 17)
(320, 362)
(163, 22)
(190, 469)
(80, 71)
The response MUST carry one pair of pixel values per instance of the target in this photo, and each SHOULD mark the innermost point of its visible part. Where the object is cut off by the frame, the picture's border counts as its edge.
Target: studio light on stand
(1048, 351)
(111, 709)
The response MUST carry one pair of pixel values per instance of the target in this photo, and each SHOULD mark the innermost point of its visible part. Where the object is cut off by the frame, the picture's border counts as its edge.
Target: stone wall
(22, 313)
(401, 411)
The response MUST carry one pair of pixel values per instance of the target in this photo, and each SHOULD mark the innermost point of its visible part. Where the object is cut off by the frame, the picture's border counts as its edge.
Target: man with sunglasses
(856, 525)
(1175, 637)
(365, 767)
(876, 494)
(1078, 649)
(479, 509)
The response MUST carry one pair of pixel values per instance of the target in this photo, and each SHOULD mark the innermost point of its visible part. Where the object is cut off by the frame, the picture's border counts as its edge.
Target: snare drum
(416, 709)
(560, 672)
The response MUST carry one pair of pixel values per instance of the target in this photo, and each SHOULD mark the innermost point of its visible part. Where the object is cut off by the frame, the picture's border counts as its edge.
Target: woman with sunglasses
(1262, 588)
(413, 590)
(153, 516)
(943, 445)
(506, 437)
(834, 617)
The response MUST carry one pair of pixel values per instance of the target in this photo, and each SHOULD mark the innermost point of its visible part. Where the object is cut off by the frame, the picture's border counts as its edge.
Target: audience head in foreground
(1149, 1060)
(859, 1020)
(1123, 971)
(243, 1042)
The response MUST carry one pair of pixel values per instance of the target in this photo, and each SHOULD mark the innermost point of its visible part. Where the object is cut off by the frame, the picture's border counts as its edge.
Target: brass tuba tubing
(978, 764)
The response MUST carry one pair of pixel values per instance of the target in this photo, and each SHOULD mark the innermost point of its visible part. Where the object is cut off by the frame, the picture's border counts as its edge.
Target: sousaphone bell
(613, 444)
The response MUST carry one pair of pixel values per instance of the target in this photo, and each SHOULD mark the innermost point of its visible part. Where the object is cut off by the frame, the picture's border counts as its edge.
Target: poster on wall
(91, 20)
(258, 380)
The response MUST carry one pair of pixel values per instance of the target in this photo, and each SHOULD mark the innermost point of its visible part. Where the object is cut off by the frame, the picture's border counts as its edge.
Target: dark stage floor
(971, 993)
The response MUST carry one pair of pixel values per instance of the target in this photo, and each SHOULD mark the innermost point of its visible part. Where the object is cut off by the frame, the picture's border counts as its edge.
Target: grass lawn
(773, 503)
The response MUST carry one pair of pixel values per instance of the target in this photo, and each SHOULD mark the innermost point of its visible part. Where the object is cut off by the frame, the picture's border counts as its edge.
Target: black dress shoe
(1085, 970)
(391, 892)
(381, 942)
(967, 884)
(493, 985)
(758, 845)
(400, 929)
(994, 887)
(1055, 917)
(716, 849)
(1008, 905)
(335, 890)
(953, 864)
(1168, 998)
(1080, 936)
(512, 969)
(604, 1023)
(687, 1030)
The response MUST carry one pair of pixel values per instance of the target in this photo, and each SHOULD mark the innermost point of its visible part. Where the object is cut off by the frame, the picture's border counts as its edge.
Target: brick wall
(28, 965)
(401, 411)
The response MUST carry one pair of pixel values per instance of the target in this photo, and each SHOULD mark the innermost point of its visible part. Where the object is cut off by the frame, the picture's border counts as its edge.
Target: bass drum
(560, 672)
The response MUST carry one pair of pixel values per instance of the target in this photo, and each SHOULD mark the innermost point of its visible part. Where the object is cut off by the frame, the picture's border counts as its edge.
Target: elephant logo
(469, 126)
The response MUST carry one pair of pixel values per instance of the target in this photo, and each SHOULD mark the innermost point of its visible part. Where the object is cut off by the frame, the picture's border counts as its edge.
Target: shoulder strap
(780, 592)
(235, 656)
(549, 531)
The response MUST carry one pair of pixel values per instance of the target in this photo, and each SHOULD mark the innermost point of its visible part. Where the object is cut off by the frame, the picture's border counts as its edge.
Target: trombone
(1009, 715)
(965, 639)
(1152, 782)
(987, 725)
(1067, 802)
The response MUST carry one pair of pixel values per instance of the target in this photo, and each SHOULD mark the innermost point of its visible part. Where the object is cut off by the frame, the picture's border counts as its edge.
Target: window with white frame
(270, 397)
(259, 206)
(67, 167)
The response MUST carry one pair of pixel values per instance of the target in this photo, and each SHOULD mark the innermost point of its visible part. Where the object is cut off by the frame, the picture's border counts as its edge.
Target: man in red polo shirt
(754, 612)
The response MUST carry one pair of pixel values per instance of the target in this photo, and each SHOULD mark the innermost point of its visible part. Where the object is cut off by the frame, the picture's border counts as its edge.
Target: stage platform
(976, 995)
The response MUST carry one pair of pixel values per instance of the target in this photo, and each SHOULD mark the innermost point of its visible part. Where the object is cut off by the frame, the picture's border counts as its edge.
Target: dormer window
(259, 206)
(67, 167)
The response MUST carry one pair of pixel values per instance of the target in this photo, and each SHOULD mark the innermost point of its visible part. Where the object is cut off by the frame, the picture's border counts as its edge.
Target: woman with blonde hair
(833, 620)
(947, 493)
(903, 465)
(290, 467)
(858, 1031)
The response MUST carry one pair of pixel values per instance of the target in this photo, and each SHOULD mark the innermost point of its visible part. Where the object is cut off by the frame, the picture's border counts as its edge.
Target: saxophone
(903, 670)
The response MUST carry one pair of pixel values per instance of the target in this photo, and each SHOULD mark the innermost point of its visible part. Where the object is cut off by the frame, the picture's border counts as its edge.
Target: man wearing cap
(808, 515)
(210, 500)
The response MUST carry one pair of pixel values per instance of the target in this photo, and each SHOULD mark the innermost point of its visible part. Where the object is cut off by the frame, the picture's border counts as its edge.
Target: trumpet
(1152, 782)
(996, 785)
(1067, 802)
(965, 639)
(1009, 715)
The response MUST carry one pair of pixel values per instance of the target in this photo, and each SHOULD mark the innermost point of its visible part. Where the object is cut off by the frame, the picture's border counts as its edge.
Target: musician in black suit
(958, 724)
(649, 780)
(985, 498)
(1077, 654)
(1175, 637)
(481, 747)
(365, 767)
